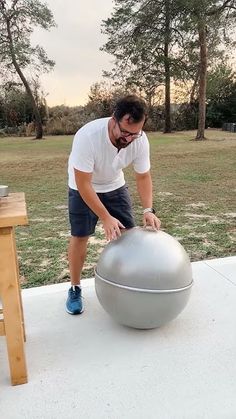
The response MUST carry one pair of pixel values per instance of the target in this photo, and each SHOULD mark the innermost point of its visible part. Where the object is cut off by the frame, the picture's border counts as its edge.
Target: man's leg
(83, 222)
(76, 255)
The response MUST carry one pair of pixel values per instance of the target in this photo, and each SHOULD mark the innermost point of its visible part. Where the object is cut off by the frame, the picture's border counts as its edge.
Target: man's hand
(149, 219)
(112, 227)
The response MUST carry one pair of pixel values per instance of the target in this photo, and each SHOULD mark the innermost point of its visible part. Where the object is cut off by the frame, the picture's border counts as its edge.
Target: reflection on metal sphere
(144, 278)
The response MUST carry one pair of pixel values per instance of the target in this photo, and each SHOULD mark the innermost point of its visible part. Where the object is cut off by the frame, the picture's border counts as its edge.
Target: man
(97, 189)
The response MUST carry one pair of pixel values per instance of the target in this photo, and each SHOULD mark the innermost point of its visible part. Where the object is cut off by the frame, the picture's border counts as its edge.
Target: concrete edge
(88, 282)
(48, 289)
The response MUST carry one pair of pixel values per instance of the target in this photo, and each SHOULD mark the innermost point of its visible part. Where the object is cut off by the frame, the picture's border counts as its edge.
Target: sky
(74, 46)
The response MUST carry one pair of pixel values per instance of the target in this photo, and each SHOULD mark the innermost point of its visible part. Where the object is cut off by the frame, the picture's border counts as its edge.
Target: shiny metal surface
(148, 259)
(3, 190)
(145, 290)
(140, 310)
(144, 278)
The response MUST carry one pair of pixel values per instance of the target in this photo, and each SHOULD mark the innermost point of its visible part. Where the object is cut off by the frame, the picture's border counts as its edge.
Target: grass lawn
(194, 194)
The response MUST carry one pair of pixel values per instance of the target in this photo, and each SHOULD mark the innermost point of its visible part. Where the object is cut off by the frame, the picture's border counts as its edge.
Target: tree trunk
(167, 127)
(194, 86)
(202, 80)
(38, 121)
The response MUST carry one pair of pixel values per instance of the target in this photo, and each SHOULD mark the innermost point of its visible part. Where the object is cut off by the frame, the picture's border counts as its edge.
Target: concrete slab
(226, 267)
(89, 367)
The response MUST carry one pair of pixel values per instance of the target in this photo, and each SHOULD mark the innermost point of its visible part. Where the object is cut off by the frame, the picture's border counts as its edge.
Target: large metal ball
(144, 278)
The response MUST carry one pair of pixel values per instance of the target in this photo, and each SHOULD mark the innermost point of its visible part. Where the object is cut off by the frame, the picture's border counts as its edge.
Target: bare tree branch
(216, 10)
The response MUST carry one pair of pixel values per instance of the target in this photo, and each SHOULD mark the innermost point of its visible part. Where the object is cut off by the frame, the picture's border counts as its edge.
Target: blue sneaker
(74, 304)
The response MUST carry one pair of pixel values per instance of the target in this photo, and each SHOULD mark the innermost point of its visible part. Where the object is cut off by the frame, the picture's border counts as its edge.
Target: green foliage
(220, 83)
(18, 18)
(16, 108)
(138, 33)
(64, 120)
(67, 120)
(221, 96)
(17, 22)
(100, 100)
(157, 41)
(186, 117)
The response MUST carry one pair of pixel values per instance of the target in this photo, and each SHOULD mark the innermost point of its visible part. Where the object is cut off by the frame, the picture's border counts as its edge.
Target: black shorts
(83, 220)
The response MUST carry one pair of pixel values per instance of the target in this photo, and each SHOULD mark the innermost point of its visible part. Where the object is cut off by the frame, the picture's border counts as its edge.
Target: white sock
(73, 287)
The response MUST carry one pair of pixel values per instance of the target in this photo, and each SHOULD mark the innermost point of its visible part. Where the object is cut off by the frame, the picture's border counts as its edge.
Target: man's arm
(110, 224)
(144, 187)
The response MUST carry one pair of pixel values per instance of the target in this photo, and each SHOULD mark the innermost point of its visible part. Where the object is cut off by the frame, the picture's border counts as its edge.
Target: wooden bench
(12, 213)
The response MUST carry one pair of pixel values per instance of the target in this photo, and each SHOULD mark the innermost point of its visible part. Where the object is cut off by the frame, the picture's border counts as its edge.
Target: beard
(121, 142)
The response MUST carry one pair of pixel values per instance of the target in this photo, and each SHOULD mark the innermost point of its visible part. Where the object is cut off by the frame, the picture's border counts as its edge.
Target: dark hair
(132, 105)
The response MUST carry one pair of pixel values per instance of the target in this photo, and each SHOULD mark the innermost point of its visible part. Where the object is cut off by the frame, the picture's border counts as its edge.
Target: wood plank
(19, 288)
(2, 328)
(11, 304)
(13, 210)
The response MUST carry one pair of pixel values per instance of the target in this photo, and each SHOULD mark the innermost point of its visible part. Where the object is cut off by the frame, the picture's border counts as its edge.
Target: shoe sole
(71, 312)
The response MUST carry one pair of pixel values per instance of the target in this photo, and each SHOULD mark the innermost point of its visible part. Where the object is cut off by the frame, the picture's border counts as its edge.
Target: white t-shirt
(93, 152)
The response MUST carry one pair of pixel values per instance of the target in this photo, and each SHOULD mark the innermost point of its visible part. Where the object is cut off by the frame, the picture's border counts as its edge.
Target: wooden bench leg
(12, 310)
(19, 289)
(22, 312)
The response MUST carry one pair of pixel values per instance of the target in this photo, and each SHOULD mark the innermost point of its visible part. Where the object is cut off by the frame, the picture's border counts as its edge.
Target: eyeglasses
(127, 134)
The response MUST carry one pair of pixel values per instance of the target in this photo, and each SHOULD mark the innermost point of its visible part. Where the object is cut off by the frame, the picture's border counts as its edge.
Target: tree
(102, 98)
(145, 40)
(17, 21)
(221, 96)
(209, 20)
(221, 82)
(16, 108)
(156, 42)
